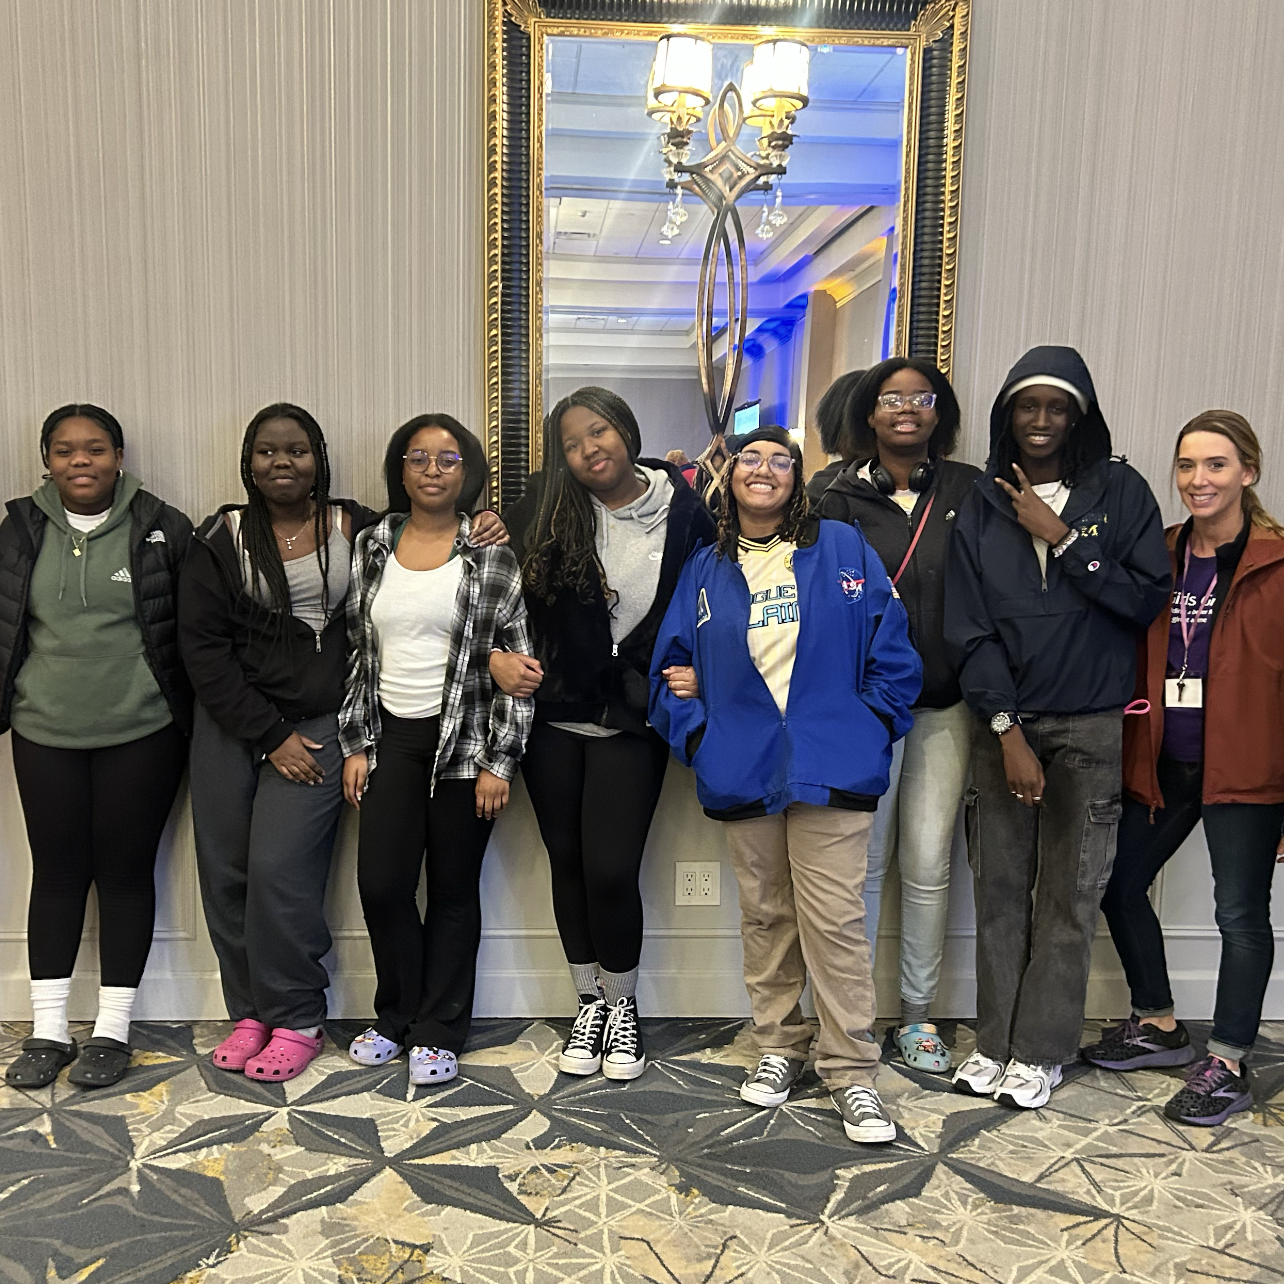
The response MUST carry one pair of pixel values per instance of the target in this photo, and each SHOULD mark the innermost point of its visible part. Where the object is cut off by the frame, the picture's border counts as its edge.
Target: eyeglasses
(447, 460)
(751, 461)
(899, 400)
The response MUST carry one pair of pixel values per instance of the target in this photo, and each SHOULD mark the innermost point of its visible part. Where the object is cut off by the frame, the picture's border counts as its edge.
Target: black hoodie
(1068, 645)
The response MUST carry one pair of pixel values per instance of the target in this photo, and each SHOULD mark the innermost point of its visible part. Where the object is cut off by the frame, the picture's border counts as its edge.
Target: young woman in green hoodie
(95, 694)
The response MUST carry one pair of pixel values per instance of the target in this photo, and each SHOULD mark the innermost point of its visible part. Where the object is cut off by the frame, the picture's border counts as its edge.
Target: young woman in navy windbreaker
(782, 673)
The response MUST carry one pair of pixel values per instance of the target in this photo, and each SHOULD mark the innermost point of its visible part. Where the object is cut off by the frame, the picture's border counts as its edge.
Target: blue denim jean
(1242, 839)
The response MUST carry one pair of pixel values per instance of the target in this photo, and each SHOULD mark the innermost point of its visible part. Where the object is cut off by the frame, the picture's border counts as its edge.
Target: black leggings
(594, 798)
(425, 971)
(96, 816)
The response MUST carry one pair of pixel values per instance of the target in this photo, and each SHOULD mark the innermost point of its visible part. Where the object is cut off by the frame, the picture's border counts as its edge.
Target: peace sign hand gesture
(1033, 514)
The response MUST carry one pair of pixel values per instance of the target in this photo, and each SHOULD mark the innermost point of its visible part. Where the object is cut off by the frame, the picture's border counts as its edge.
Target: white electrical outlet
(697, 882)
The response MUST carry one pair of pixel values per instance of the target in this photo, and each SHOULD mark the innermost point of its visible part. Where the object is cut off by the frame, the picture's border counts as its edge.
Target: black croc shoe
(101, 1063)
(40, 1062)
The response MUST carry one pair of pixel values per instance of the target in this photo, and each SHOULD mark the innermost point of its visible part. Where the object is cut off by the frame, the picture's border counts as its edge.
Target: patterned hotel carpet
(515, 1174)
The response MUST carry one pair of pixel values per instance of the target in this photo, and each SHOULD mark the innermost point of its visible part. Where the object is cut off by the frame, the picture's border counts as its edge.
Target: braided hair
(257, 536)
(792, 519)
(563, 545)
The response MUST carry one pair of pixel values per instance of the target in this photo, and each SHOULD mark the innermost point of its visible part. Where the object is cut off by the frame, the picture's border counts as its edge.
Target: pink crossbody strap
(896, 579)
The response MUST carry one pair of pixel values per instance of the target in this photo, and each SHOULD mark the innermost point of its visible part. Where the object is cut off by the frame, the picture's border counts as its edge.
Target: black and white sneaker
(582, 1051)
(622, 1053)
(770, 1083)
(864, 1116)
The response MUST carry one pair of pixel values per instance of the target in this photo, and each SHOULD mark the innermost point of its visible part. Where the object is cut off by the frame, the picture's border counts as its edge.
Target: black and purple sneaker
(1133, 1046)
(1213, 1093)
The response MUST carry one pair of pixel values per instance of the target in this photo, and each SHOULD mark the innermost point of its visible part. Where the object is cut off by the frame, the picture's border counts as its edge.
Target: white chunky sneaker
(770, 1083)
(1028, 1087)
(622, 1053)
(864, 1116)
(978, 1076)
(582, 1051)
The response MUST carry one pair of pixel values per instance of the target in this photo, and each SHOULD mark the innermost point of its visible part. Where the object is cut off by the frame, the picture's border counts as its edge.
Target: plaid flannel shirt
(481, 727)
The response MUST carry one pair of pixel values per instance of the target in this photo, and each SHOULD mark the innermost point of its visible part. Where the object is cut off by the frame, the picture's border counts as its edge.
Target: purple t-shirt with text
(1184, 728)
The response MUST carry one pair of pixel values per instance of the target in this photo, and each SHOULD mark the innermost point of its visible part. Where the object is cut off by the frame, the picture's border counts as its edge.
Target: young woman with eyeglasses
(903, 491)
(100, 710)
(1211, 749)
(430, 744)
(602, 535)
(782, 674)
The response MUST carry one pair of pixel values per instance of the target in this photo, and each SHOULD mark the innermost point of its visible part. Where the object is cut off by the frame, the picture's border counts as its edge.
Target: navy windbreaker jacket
(855, 677)
(1068, 645)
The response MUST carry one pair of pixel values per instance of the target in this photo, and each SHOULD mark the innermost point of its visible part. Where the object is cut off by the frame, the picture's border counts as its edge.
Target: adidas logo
(123, 576)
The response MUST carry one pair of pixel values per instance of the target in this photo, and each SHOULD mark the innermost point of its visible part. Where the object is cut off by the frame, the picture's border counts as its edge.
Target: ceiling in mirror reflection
(608, 268)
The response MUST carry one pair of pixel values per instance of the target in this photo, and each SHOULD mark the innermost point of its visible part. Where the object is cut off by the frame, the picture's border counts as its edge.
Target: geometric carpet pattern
(514, 1174)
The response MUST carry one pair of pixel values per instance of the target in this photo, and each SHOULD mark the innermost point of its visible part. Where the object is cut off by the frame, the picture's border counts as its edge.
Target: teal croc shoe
(922, 1048)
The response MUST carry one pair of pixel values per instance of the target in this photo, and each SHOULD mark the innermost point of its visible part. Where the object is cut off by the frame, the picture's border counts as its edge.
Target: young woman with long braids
(100, 709)
(1056, 567)
(1212, 749)
(429, 743)
(602, 536)
(782, 674)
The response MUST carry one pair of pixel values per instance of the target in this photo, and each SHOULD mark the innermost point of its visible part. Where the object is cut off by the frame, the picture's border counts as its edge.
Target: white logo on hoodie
(123, 576)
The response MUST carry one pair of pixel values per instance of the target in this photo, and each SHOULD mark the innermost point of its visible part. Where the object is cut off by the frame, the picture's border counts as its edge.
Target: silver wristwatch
(1002, 722)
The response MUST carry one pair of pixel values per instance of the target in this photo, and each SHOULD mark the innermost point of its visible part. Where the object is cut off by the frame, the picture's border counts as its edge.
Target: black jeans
(263, 850)
(96, 816)
(1039, 874)
(594, 799)
(1242, 838)
(426, 970)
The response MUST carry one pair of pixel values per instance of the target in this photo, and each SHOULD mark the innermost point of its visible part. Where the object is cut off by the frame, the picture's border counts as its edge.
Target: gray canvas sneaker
(770, 1083)
(865, 1118)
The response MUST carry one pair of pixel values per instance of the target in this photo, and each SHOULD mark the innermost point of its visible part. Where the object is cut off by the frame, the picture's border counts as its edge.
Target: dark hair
(83, 410)
(563, 545)
(257, 537)
(831, 414)
(861, 405)
(1087, 442)
(795, 514)
(476, 469)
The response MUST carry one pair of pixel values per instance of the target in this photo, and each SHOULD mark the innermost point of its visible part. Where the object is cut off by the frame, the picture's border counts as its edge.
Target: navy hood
(1067, 366)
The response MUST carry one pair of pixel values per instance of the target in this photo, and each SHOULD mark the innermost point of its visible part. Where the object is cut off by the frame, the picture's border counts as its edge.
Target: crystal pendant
(778, 217)
(764, 230)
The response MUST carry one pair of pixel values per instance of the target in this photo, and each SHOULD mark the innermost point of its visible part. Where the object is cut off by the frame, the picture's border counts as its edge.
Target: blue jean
(1242, 838)
(915, 824)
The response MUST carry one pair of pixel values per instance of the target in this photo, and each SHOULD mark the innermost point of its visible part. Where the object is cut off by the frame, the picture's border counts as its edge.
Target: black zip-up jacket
(159, 539)
(1068, 645)
(256, 674)
(850, 498)
(587, 678)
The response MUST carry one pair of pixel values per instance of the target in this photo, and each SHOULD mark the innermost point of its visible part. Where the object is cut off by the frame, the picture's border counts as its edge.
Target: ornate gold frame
(934, 19)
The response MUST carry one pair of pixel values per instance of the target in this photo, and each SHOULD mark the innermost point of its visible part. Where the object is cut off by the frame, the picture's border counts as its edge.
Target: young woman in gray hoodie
(95, 694)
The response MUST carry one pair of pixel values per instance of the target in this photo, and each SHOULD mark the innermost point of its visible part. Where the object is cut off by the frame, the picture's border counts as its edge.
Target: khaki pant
(801, 874)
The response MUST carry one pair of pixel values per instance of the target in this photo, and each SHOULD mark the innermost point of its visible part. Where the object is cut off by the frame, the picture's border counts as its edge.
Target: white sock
(115, 1007)
(312, 1031)
(49, 1009)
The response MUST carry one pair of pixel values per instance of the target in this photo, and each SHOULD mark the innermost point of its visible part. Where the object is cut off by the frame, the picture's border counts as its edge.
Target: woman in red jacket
(1212, 749)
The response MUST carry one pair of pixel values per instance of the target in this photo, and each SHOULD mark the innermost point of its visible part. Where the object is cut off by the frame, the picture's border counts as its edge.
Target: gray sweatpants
(263, 848)
(1039, 875)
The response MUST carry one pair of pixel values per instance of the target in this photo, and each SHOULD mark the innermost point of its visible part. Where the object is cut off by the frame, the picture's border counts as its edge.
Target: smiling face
(1042, 417)
(907, 430)
(762, 493)
(596, 453)
(1211, 476)
(282, 463)
(83, 464)
(432, 490)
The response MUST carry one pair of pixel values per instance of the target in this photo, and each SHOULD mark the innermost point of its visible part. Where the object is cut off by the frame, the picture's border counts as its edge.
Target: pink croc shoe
(247, 1040)
(287, 1055)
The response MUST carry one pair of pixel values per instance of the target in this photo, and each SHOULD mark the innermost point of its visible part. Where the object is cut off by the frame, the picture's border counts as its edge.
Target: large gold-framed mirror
(598, 255)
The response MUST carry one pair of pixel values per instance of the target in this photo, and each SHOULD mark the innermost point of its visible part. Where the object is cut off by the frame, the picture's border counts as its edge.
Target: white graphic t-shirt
(768, 567)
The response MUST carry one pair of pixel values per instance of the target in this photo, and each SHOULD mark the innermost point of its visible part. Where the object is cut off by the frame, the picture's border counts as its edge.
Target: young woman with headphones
(903, 420)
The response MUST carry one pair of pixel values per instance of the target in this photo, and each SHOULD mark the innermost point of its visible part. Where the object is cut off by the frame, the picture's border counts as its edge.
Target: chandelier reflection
(773, 88)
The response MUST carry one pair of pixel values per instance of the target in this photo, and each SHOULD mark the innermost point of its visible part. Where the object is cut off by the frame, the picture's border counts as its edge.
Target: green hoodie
(85, 683)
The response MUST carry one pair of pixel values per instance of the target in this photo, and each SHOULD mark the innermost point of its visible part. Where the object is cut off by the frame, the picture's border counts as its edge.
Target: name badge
(1184, 693)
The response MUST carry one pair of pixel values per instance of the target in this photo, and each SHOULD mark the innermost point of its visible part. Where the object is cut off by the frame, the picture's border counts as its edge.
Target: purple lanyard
(1188, 632)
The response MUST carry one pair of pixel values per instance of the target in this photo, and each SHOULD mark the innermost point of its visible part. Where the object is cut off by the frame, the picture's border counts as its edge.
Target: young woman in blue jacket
(782, 673)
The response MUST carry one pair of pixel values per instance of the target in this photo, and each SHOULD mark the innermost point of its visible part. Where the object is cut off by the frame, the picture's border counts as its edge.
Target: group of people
(843, 663)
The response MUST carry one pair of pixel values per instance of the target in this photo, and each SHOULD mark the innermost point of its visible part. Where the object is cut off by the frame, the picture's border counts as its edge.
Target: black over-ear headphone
(920, 478)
